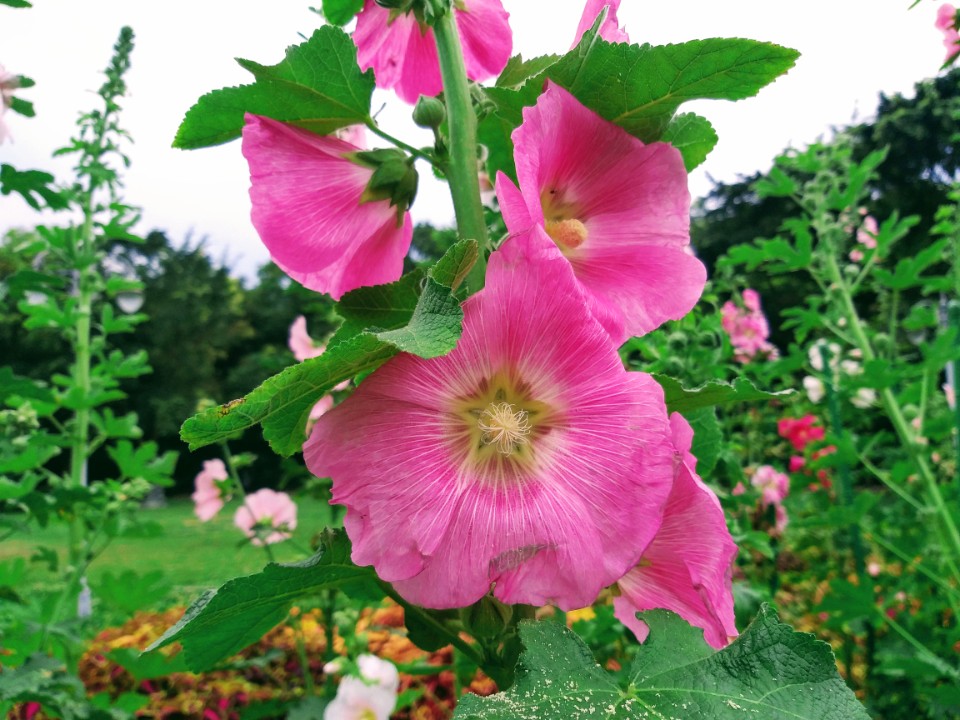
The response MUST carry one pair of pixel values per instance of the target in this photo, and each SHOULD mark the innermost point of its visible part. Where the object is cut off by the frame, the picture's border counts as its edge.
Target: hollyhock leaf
(707, 438)
(493, 132)
(693, 136)
(23, 107)
(415, 314)
(455, 264)
(518, 70)
(771, 671)
(16, 3)
(715, 392)
(318, 86)
(222, 622)
(340, 12)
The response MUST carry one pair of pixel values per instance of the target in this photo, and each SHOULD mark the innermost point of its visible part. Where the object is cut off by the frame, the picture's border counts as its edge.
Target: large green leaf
(416, 314)
(340, 12)
(318, 86)
(770, 672)
(716, 392)
(222, 622)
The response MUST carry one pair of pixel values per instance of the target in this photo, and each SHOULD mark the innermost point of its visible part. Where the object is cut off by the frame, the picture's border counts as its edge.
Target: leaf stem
(375, 129)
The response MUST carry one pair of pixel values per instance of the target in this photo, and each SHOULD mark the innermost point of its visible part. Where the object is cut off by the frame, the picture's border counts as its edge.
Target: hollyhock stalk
(462, 123)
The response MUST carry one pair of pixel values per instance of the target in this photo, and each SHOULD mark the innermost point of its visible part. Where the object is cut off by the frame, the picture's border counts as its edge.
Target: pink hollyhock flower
(382, 673)
(8, 83)
(747, 327)
(210, 493)
(310, 212)
(796, 463)
(267, 517)
(300, 342)
(356, 700)
(610, 29)
(738, 489)
(619, 211)
(800, 431)
(772, 485)
(403, 53)
(528, 459)
(867, 234)
(947, 23)
(687, 573)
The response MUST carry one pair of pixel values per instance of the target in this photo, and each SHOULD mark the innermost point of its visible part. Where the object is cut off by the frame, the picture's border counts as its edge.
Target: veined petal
(610, 30)
(444, 515)
(486, 38)
(307, 209)
(686, 572)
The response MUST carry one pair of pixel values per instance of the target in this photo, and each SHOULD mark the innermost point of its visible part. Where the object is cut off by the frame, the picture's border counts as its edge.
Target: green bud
(486, 618)
(429, 112)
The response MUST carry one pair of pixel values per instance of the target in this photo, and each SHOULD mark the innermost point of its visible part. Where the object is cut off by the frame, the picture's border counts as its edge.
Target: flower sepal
(487, 618)
(394, 178)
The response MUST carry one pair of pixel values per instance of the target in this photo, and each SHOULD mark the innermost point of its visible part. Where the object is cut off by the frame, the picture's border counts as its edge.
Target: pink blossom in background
(308, 210)
(747, 327)
(686, 572)
(610, 29)
(403, 53)
(781, 518)
(8, 83)
(800, 431)
(618, 210)
(867, 234)
(209, 495)
(300, 342)
(950, 394)
(796, 463)
(382, 673)
(947, 23)
(356, 700)
(528, 459)
(265, 510)
(773, 485)
(738, 489)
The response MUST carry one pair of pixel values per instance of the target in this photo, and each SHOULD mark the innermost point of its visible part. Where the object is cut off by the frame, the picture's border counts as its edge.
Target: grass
(192, 555)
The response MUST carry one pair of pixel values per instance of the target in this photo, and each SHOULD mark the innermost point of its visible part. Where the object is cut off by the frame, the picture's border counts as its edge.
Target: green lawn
(192, 554)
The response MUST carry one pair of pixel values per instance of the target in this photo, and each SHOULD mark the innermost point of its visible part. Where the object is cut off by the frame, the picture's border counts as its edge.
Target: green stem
(375, 129)
(930, 575)
(308, 684)
(235, 477)
(900, 424)
(885, 479)
(921, 649)
(462, 130)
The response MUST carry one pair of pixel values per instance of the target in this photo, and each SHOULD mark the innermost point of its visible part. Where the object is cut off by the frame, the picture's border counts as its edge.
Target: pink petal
(686, 572)
(443, 529)
(486, 38)
(610, 30)
(300, 342)
(631, 199)
(307, 209)
(946, 17)
(512, 204)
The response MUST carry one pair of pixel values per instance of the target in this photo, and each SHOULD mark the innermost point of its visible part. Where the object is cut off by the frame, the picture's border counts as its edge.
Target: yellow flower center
(562, 221)
(567, 234)
(504, 427)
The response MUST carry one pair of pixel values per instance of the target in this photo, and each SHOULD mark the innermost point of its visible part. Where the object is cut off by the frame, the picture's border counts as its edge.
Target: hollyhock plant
(772, 484)
(618, 210)
(947, 23)
(610, 29)
(267, 517)
(747, 327)
(311, 210)
(211, 489)
(528, 459)
(403, 51)
(800, 431)
(687, 573)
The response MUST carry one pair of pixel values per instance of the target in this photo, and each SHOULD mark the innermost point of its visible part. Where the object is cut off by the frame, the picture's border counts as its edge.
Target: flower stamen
(504, 427)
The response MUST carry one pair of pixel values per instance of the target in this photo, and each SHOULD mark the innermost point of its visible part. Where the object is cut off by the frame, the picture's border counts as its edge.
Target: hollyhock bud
(429, 112)
(486, 618)
(402, 50)
(329, 213)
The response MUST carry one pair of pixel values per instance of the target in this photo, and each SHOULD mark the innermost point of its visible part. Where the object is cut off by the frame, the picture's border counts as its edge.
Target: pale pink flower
(947, 23)
(950, 394)
(309, 210)
(856, 255)
(210, 489)
(528, 459)
(619, 211)
(814, 387)
(685, 571)
(610, 29)
(781, 519)
(356, 700)
(267, 517)
(864, 398)
(747, 327)
(8, 83)
(867, 234)
(739, 489)
(300, 342)
(773, 485)
(403, 53)
(874, 568)
(381, 673)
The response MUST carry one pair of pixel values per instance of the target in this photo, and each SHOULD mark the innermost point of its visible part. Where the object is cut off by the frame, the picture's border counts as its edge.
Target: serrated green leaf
(456, 263)
(318, 86)
(517, 70)
(416, 314)
(693, 136)
(222, 622)
(770, 672)
(715, 392)
(707, 438)
(340, 12)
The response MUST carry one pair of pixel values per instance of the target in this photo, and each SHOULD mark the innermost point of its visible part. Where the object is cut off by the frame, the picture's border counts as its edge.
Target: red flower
(800, 431)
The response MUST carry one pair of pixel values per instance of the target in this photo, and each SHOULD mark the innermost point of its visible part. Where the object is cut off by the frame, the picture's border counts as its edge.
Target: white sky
(851, 50)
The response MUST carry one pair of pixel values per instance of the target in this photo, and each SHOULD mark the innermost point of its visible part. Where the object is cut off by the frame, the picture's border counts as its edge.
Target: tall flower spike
(311, 211)
(618, 209)
(403, 52)
(527, 459)
(610, 29)
(686, 572)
